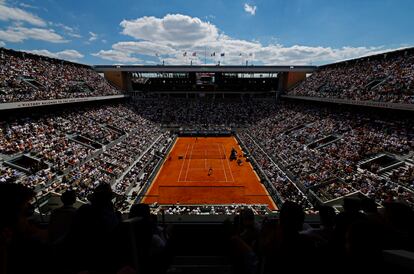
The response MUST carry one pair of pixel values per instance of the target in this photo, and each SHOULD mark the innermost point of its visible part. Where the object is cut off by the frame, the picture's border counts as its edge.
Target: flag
(157, 55)
(194, 53)
(213, 54)
(250, 54)
(240, 54)
(185, 54)
(222, 54)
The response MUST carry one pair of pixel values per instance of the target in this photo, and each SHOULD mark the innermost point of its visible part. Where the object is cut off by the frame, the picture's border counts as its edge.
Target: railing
(276, 195)
(386, 105)
(154, 172)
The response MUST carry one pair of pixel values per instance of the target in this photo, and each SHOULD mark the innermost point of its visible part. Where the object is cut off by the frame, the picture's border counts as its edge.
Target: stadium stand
(29, 77)
(321, 145)
(387, 77)
(74, 149)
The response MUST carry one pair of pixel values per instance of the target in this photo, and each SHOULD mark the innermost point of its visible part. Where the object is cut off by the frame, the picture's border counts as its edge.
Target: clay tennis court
(198, 171)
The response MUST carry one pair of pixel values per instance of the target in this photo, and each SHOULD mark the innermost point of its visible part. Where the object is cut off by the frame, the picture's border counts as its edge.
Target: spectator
(385, 77)
(94, 228)
(288, 246)
(20, 240)
(28, 77)
(61, 219)
(323, 235)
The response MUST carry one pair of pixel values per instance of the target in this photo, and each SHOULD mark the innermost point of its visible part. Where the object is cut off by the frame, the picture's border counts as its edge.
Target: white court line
(205, 159)
(204, 182)
(202, 168)
(225, 174)
(227, 161)
(182, 165)
(189, 162)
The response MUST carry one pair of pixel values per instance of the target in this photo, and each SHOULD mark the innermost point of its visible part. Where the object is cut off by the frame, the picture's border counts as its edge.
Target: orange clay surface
(187, 180)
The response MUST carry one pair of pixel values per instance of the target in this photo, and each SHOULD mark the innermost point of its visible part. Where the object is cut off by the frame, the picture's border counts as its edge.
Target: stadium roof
(204, 68)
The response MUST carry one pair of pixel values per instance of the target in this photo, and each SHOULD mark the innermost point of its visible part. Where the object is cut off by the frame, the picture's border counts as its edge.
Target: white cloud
(143, 47)
(67, 30)
(69, 54)
(92, 36)
(19, 34)
(172, 29)
(250, 9)
(2, 44)
(174, 34)
(28, 6)
(16, 14)
(302, 55)
(179, 59)
(117, 56)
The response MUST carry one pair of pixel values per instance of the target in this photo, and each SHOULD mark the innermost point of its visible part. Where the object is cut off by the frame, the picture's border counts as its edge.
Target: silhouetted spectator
(399, 219)
(351, 214)
(363, 247)
(288, 246)
(61, 219)
(95, 229)
(21, 243)
(324, 234)
(150, 238)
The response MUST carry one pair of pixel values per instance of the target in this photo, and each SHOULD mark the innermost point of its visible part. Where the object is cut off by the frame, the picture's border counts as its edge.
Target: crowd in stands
(207, 114)
(210, 209)
(404, 176)
(285, 188)
(316, 145)
(298, 147)
(137, 179)
(387, 77)
(110, 165)
(333, 189)
(119, 134)
(29, 77)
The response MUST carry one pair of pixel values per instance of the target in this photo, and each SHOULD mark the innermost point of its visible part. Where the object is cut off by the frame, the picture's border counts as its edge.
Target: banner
(40, 103)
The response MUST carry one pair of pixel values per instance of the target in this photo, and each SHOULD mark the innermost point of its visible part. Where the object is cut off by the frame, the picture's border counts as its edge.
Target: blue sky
(259, 31)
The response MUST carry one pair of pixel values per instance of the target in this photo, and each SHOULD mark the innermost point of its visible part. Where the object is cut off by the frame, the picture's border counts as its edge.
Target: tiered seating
(207, 114)
(137, 178)
(292, 137)
(385, 78)
(51, 140)
(283, 185)
(28, 77)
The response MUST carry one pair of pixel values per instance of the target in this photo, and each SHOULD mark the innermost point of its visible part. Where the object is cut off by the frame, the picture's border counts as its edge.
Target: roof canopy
(205, 68)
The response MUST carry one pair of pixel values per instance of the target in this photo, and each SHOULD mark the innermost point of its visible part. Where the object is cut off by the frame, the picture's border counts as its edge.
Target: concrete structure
(288, 76)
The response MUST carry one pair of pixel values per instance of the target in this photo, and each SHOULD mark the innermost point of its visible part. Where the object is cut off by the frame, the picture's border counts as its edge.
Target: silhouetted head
(352, 204)
(327, 215)
(399, 215)
(102, 194)
(247, 216)
(362, 239)
(291, 216)
(369, 206)
(140, 210)
(15, 205)
(68, 197)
